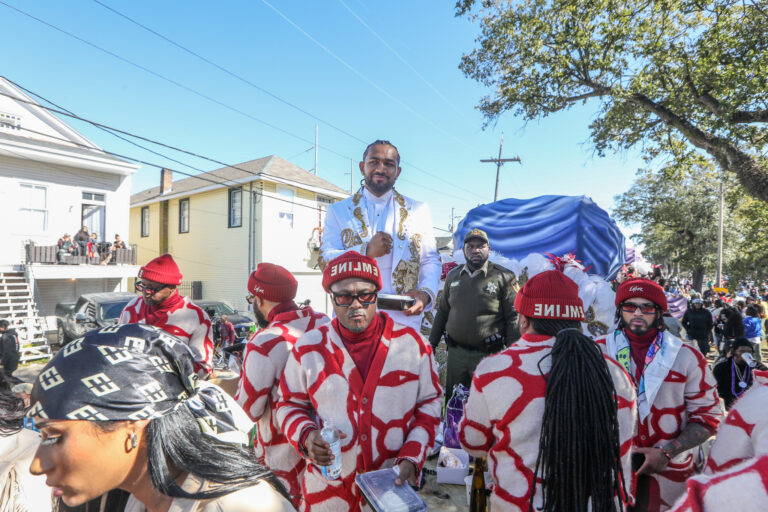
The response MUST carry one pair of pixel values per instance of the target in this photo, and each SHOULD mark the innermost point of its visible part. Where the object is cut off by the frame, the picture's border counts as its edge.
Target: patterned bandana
(129, 372)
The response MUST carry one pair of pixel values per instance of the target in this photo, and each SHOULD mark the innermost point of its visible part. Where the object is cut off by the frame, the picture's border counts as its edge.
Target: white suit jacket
(415, 263)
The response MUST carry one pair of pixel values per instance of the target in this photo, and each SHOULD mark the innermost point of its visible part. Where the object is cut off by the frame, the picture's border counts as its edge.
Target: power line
(109, 129)
(359, 74)
(229, 72)
(197, 93)
(399, 57)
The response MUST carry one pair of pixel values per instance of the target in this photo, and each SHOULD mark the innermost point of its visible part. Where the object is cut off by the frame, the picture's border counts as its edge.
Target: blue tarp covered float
(556, 225)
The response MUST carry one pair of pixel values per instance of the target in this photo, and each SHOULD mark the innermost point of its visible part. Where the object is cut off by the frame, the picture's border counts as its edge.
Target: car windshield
(220, 308)
(112, 310)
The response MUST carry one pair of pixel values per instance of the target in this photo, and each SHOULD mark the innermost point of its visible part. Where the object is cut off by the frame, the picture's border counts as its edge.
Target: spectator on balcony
(117, 244)
(65, 245)
(82, 238)
(93, 245)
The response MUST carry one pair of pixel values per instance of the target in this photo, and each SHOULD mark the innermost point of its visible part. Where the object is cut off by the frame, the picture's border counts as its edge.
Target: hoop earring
(134, 441)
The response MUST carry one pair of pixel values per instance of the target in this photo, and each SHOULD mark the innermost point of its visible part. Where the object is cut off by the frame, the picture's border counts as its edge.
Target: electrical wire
(399, 57)
(360, 74)
(229, 72)
(200, 94)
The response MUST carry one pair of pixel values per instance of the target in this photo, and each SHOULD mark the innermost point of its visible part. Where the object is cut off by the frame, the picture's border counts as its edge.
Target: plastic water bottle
(749, 360)
(331, 436)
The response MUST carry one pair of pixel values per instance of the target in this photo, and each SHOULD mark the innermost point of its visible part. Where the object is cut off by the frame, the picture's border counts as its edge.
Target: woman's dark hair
(751, 311)
(12, 411)
(734, 326)
(176, 441)
(579, 459)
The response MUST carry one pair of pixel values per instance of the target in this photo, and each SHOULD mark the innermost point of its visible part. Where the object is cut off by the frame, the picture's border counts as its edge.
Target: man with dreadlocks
(554, 414)
(678, 406)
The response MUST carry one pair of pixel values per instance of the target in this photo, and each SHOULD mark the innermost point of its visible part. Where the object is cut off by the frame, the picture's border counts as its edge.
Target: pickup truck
(91, 311)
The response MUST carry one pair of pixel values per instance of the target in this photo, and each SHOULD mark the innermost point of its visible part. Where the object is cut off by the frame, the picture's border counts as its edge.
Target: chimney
(166, 181)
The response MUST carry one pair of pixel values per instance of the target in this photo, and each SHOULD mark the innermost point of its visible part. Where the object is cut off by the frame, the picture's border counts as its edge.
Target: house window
(184, 215)
(235, 207)
(286, 198)
(33, 208)
(145, 221)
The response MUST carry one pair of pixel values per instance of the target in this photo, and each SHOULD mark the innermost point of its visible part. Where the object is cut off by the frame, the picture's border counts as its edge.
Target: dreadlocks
(579, 459)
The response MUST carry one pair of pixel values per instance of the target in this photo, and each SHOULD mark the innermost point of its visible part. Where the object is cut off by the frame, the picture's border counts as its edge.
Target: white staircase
(17, 305)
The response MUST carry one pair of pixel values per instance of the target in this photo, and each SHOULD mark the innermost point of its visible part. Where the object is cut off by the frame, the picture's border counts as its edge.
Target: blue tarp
(550, 224)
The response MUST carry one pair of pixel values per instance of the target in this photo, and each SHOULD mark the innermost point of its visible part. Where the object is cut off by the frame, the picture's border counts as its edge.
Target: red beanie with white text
(551, 295)
(273, 283)
(644, 289)
(351, 264)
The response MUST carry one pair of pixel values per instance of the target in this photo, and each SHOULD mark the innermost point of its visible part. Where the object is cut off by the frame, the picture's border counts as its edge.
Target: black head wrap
(128, 372)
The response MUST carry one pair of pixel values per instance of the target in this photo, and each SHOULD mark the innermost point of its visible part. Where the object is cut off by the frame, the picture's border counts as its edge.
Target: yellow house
(219, 225)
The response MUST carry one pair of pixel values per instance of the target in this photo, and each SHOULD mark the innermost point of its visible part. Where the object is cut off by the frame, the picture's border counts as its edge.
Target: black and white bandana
(128, 372)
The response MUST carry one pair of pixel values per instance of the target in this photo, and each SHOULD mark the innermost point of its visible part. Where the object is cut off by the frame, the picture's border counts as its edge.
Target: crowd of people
(88, 245)
(566, 421)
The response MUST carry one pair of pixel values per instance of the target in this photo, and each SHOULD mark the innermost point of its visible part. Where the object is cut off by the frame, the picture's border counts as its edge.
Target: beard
(260, 318)
(379, 188)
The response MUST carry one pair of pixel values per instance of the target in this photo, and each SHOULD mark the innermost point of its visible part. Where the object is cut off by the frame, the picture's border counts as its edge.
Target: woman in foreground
(120, 409)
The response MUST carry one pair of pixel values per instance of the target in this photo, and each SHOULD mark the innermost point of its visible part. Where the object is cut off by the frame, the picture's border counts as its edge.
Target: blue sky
(399, 80)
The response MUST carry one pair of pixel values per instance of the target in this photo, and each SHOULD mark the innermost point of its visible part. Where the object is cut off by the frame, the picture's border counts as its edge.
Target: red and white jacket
(265, 355)
(184, 320)
(744, 432)
(503, 415)
(679, 389)
(743, 488)
(393, 415)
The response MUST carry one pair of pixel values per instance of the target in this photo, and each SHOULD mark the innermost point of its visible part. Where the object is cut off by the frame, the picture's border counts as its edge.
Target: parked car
(240, 319)
(91, 311)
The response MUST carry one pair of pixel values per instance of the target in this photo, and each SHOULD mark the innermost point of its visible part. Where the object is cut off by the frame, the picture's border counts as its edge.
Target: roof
(100, 297)
(37, 140)
(270, 168)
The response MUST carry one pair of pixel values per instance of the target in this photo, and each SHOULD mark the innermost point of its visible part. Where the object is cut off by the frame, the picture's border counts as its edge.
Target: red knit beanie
(552, 295)
(643, 288)
(273, 283)
(351, 264)
(161, 270)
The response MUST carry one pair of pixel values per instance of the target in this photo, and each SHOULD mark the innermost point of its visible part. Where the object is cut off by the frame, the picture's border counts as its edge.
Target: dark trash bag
(453, 414)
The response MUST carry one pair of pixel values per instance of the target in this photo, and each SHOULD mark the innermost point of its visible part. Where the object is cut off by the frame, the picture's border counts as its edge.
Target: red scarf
(283, 307)
(638, 348)
(361, 345)
(158, 314)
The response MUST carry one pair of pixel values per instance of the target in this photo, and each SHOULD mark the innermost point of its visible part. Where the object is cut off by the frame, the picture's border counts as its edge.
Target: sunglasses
(141, 288)
(646, 309)
(346, 300)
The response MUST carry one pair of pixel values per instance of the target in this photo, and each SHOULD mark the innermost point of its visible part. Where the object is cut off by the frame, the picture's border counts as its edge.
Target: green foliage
(676, 77)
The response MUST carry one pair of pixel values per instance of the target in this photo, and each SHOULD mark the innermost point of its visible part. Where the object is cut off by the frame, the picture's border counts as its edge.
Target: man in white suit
(379, 222)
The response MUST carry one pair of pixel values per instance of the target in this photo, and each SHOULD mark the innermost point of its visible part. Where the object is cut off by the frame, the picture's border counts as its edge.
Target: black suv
(240, 319)
(91, 311)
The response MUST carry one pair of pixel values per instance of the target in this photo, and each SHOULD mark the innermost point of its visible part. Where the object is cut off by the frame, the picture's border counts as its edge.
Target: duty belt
(492, 344)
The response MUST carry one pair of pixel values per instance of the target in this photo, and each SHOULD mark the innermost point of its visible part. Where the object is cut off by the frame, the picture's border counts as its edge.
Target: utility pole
(351, 175)
(315, 150)
(499, 162)
(452, 226)
(720, 235)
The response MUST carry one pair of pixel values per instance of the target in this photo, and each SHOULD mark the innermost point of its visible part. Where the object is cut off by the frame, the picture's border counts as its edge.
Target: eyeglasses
(141, 288)
(345, 300)
(646, 309)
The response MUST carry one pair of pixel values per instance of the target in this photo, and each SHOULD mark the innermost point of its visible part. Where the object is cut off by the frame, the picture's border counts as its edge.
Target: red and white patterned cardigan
(503, 415)
(391, 416)
(687, 394)
(266, 353)
(744, 432)
(186, 321)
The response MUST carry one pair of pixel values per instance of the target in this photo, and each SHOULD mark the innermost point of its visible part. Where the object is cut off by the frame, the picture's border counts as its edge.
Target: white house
(54, 181)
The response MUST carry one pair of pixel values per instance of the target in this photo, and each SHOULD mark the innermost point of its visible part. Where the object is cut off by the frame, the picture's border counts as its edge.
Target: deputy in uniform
(476, 311)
